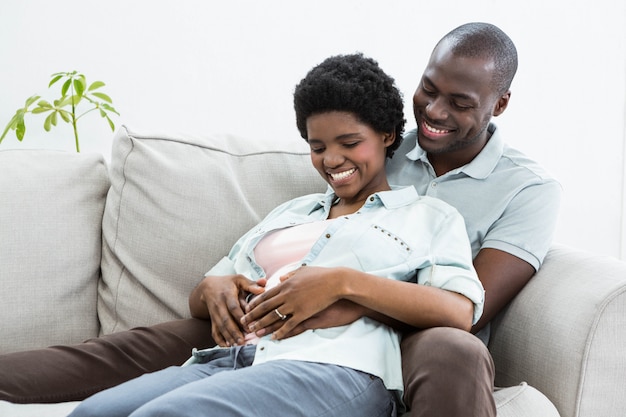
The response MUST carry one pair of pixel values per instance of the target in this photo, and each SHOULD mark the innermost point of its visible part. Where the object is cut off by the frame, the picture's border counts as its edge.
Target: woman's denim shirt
(396, 234)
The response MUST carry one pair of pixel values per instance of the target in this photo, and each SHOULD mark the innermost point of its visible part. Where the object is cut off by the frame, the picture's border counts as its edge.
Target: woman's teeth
(342, 175)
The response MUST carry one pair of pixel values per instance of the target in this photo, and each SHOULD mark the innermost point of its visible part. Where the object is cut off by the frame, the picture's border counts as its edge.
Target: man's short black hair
(356, 84)
(484, 40)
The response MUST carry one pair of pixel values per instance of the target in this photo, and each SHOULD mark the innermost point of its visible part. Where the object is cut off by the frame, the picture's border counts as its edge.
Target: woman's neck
(344, 208)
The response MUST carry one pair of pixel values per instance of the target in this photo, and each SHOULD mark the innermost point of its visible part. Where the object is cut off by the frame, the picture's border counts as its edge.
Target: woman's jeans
(228, 386)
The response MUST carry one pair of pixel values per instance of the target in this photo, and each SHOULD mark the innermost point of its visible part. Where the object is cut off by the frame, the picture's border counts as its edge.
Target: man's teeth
(341, 175)
(432, 129)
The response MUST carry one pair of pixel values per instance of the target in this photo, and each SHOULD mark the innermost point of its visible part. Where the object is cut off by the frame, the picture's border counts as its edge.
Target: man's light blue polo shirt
(507, 200)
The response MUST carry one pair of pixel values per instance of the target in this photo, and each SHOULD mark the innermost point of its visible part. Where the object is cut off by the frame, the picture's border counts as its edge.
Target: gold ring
(280, 315)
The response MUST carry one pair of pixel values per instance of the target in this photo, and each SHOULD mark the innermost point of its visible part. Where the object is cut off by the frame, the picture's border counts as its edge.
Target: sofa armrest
(565, 333)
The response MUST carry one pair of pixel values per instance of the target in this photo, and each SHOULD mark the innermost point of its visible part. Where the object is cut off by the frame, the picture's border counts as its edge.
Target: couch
(90, 247)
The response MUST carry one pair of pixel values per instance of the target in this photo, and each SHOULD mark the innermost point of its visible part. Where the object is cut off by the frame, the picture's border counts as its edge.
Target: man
(509, 204)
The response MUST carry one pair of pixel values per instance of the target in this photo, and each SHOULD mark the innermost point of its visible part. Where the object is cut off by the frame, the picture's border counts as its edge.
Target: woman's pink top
(282, 251)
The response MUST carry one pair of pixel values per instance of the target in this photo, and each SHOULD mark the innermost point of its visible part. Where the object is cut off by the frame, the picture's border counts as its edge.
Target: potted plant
(75, 92)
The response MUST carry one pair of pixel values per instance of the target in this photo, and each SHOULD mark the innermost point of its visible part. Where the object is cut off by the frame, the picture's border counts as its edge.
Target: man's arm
(503, 276)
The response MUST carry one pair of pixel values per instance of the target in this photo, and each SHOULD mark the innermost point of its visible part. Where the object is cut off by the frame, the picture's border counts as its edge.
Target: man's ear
(501, 104)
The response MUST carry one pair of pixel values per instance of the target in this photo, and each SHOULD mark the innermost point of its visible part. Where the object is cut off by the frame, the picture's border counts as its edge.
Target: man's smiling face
(454, 103)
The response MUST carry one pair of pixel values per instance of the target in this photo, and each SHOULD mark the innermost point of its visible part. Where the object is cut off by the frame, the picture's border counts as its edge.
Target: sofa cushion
(37, 410)
(523, 400)
(176, 206)
(51, 206)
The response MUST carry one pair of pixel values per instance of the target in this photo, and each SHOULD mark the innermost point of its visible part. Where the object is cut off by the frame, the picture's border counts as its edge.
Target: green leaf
(44, 103)
(103, 113)
(48, 122)
(95, 85)
(109, 108)
(103, 96)
(20, 130)
(54, 118)
(62, 102)
(79, 86)
(10, 126)
(111, 124)
(65, 116)
(66, 86)
(30, 100)
(55, 78)
(76, 99)
(15, 120)
(13, 123)
(38, 110)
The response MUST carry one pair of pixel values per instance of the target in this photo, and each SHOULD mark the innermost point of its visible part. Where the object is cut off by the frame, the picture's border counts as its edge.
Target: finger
(269, 329)
(271, 320)
(254, 289)
(288, 275)
(260, 304)
(262, 282)
(286, 327)
(234, 308)
(217, 336)
(226, 326)
(300, 328)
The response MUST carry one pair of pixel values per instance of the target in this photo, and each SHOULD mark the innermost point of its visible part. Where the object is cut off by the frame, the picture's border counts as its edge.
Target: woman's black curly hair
(356, 84)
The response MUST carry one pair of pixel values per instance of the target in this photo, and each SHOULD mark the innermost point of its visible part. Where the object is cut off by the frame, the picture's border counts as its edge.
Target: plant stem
(75, 134)
(74, 116)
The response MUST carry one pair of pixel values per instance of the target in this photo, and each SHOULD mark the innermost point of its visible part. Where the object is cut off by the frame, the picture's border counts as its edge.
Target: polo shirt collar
(482, 165)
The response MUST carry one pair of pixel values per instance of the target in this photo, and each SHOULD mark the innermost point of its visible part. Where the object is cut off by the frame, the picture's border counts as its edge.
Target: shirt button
(327, 235)
(433, 184)
(262, 348)
(371, 198)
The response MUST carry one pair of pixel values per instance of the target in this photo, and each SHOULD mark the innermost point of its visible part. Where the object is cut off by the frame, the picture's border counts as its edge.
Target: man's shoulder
(514, 159)
(433, 205)
(511, 164)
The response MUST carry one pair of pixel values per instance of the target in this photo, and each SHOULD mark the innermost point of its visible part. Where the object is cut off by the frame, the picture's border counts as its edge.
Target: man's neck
(448, 161)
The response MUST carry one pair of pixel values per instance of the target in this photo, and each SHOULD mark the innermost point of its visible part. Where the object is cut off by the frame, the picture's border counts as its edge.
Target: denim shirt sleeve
(452, 268)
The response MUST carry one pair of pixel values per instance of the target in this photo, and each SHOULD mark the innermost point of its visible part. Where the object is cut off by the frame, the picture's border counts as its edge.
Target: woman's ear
(389, 139)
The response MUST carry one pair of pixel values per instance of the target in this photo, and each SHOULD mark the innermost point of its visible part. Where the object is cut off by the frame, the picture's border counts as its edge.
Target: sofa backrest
(51, 206)
(176, 205)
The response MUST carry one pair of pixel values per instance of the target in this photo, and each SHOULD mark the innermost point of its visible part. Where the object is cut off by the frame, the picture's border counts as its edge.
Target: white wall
(201, 65)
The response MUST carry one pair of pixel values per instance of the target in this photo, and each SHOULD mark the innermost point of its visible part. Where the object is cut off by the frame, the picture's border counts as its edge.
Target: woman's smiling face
(348, 154)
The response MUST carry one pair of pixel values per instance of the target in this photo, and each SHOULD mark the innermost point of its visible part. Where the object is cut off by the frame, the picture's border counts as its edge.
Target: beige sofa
(89, 247)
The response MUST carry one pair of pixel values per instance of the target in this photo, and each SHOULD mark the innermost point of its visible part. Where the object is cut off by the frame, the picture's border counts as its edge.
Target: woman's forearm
(403, 305)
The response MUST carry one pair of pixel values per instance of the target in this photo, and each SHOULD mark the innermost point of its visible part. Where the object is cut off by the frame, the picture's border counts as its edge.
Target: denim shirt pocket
(380, 249)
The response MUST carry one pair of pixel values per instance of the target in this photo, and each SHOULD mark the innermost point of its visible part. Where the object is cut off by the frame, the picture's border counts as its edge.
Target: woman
(404, 257)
